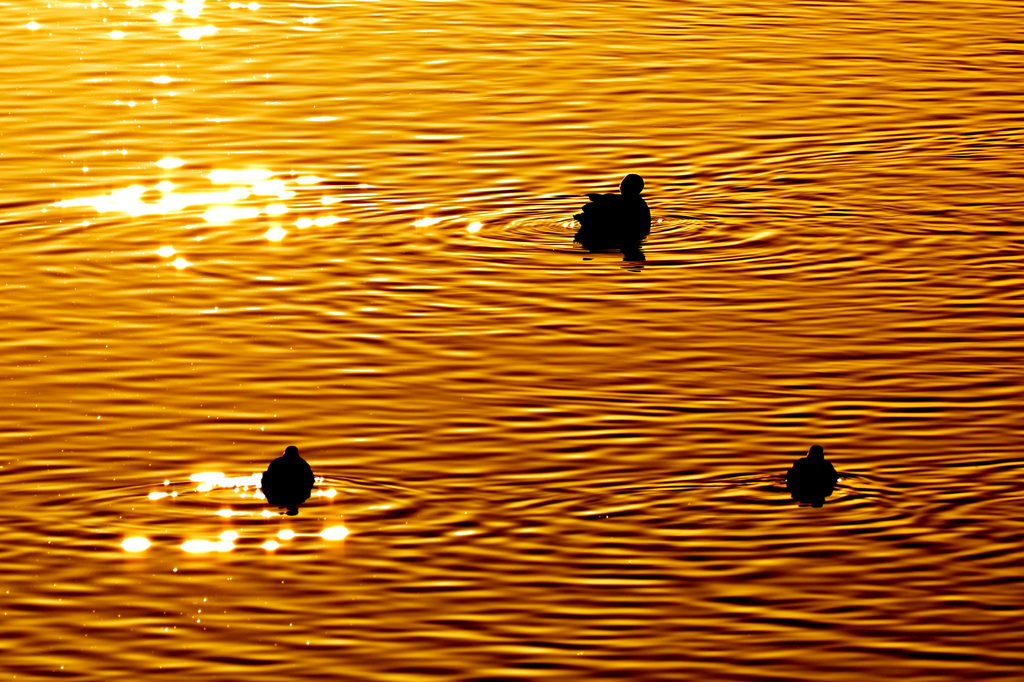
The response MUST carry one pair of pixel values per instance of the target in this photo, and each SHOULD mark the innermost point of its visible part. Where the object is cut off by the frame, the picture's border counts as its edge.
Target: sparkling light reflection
(204, 546)
(227, 214)
(158, 496)
(167, 161)
(135, 544)
(269, 187)
(334, 533)
(474, 227)
(220, 209)
(197, 32)
(286, 534)
(271, 545)
(190, 7)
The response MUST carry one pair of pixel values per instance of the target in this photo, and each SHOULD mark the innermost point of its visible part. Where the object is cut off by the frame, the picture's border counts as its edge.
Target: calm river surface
(226, 228)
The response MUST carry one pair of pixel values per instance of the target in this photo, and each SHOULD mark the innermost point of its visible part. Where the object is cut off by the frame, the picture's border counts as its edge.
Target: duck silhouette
(812, 478)
(288, 481)
(615, 220)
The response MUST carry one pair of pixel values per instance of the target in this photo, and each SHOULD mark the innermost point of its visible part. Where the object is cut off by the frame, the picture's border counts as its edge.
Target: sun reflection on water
(334, 533)
(135, 544)
(239, 202)
(275, 234)
(191, 8)
(246, 488)
(197, 32)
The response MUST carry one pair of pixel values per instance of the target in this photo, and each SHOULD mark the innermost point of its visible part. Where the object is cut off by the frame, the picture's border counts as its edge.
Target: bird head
(632, 184)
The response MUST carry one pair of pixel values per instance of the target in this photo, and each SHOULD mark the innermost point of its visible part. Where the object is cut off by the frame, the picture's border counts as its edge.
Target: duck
(288, 481)
(812, 478)
(614, 219)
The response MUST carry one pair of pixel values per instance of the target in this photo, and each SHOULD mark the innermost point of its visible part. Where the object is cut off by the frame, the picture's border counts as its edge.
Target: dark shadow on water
(616, 221)
(288, 481)
(812, 478)
(631, 253)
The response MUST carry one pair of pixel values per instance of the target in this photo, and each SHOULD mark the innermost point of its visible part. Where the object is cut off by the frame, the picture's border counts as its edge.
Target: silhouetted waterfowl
(812, 478)
(615, 219)
(288, 481)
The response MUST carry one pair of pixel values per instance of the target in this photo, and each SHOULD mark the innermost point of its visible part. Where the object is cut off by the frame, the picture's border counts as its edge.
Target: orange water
(552, 464)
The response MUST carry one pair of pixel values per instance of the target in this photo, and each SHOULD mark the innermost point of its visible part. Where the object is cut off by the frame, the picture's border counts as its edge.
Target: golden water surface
(228, 227)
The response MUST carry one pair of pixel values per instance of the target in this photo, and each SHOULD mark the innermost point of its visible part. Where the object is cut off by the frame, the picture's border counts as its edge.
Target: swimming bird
(615, 219)
(288, 481)
(812, 478)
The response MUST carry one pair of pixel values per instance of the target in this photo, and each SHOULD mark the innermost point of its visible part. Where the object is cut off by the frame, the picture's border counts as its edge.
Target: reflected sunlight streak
(265, 187)
(334, 533)
(197, 32)
(135, 544)
(204, 546)
(227, 214)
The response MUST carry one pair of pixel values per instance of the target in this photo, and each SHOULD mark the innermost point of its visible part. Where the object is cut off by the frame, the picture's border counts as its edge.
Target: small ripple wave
(687, 239)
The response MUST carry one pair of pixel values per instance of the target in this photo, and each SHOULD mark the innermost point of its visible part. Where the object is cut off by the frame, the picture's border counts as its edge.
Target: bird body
(812, 478)
(615, 219)
(288, 481)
